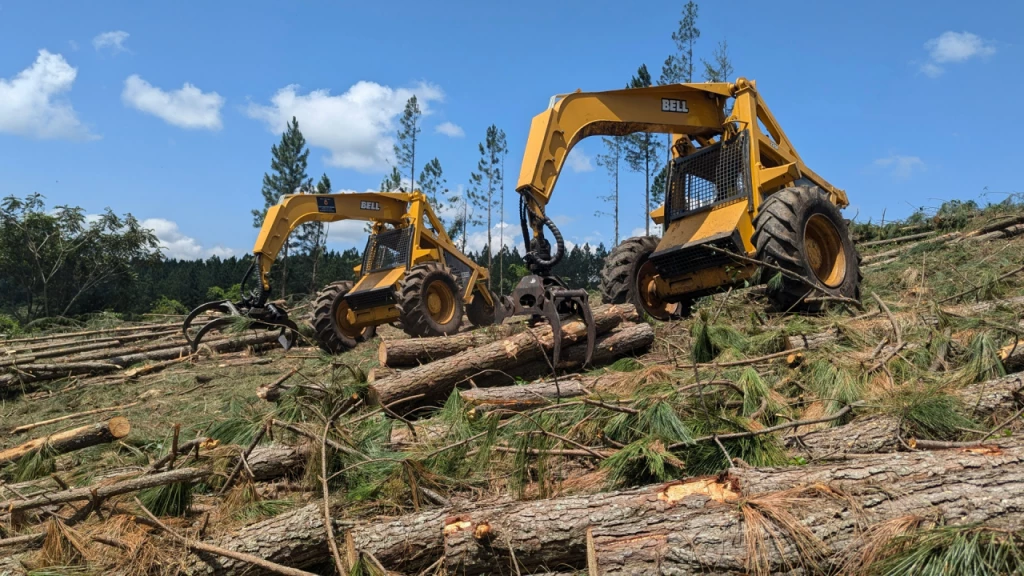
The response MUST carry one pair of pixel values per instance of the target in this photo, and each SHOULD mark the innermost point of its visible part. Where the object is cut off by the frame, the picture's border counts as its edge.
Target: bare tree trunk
(71, 440)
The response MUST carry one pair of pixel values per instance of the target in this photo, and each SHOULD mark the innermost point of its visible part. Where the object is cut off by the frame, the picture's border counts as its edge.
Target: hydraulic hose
(532, 256)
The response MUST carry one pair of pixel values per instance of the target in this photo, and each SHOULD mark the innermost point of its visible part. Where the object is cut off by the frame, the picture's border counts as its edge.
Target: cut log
(879, 433)
(380, 373)
(519, 398)
(27, 427)
(811, 341)
(691, 527)
(272, 392)
(407, 544)
(627, 339)
(106, 491)
(435, 381)
(277, 461)
(71, 440)
(31, 373)
(406, 352)
(89, 333)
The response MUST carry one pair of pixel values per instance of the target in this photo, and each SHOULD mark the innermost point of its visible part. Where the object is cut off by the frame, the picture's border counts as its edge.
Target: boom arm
(297, 209)
(688, 111)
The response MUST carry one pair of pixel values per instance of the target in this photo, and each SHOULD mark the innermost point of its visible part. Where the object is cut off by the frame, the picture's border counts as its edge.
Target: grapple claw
(547, 296)
(268, 317)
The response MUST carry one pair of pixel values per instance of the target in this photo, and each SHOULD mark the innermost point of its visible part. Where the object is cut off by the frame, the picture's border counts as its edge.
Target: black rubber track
(779, 240)
(329, 339)
(412, 304)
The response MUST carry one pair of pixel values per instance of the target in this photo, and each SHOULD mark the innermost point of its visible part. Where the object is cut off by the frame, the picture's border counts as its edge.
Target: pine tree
(405, 149)
(685, 37)
(611, 161)
(719, 69)
(288, 163)
(487, 181)
(641, 150)
(312, 237)
(431, 182)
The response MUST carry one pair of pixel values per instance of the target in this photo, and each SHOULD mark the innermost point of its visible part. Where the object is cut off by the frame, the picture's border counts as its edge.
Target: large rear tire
(628, 277)
(330, 312)
(800, 230)
(479, 312)
(430, 303)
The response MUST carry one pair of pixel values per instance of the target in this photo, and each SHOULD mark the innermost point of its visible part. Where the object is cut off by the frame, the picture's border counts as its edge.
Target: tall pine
(611, 160)
(719, 69)
(311, 237)
(432, 184)
(287, 176)
(408, 132)
(641, 150)
(487, 181)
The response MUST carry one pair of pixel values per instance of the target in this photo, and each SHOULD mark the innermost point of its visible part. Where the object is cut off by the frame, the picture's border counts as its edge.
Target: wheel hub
(344, 319)
(647, 290)
(440, 303)
(825, 253)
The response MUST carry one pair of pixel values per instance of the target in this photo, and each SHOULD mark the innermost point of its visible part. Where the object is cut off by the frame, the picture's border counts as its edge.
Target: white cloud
(187, 107)
(578, 161)
(449, 129)
(113, 40)
(952, 47)
(29, 104)
(347, 233)
(177, 245)
(356, 127)
(902, 167)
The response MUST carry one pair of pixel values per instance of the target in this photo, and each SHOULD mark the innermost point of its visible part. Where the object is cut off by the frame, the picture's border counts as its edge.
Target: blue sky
(902, 104)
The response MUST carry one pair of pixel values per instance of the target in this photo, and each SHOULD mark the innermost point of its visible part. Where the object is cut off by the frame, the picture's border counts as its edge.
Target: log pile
(30, 361)
(473, 454)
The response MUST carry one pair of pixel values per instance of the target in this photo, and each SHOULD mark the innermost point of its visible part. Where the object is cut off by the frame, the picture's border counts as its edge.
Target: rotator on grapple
(253, 310)
(542, 294)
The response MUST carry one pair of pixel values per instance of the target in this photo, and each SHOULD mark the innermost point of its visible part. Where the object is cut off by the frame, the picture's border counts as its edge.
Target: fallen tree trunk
(71, 440)
(520, 398)
(298, 539)
(105, 491)
(880, 433)
(89, 333)
(627, 339)
(30, 373)
(691, 527)
(277, 461)
(436, 380)
(407, 352)
(27, 427)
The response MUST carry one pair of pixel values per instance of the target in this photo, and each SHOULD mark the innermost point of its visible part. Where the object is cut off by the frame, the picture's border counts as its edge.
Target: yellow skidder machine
(411, 273)
(739, 199)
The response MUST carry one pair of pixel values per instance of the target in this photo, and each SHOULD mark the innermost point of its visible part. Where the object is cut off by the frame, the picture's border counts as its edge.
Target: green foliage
(833, 383)
(935, 414)
(217, 293)
(36, 464)
(710, 340)
(408, 133)
(55, 262)
(487, 183)
(949, 550)
(642, 462)
(626, 364)
(166, 306)
(981, 360)
(168, 500)
(707, 458)
(719, 69)
(431, 183)
(8, 325)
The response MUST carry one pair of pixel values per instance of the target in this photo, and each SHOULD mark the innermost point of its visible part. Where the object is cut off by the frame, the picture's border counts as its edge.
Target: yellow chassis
(385, 211)
(695, 116)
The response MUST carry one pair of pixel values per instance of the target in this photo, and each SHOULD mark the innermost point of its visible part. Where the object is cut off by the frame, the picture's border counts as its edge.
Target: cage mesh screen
(458, 268)
(714, 175)
(388, 249)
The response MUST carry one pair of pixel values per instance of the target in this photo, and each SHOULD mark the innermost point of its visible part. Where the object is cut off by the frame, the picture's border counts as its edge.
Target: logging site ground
(877, 437)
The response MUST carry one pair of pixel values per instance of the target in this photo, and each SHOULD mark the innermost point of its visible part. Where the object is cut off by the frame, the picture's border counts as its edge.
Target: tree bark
(626, 339)
(437, 379)
(407, 544)
(407, 352)
(71, 440)
(691, 527)
(105, 491)
(276, 461)
(520, 398)
(30, 373)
